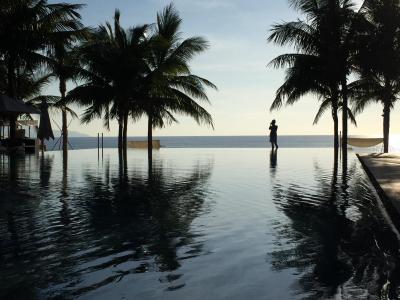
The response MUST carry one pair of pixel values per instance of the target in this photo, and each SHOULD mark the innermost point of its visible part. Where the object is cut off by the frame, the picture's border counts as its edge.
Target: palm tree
(378, 60)
(114, 65)
(26, 30)
(303, 76)
(29, 89)
(313, 69)
(320, 65)
(345, 22)
(170, 87)
(63, 64)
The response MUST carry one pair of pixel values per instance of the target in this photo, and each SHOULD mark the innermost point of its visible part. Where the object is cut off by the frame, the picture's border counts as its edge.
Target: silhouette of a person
(273, 134)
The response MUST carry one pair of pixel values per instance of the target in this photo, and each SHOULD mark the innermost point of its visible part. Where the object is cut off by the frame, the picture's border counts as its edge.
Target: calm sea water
(199, 224)
(287, 141)
(295, 141)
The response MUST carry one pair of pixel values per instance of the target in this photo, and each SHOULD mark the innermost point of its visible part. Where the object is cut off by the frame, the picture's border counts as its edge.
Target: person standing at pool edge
(273, 135)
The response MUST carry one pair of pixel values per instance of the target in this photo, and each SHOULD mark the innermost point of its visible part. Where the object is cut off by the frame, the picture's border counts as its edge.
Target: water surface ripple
(198, 224)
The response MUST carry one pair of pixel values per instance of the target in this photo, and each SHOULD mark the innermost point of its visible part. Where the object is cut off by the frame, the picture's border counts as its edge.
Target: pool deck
(384, 172)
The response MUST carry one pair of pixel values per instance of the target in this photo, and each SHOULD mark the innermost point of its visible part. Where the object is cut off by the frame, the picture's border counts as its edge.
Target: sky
(236, 62)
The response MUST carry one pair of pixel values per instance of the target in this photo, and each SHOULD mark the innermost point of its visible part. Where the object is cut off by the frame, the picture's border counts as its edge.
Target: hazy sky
(236, 62)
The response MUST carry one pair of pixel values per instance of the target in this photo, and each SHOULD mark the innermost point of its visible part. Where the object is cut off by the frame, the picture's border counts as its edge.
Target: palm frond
(298, 34)
(323, 107)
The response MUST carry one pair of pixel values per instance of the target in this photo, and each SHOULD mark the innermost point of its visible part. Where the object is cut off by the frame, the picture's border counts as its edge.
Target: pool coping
(392, 212)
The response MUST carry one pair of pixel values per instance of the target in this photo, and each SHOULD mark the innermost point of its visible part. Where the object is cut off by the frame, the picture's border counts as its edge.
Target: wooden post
(102, 145)
(98, 145)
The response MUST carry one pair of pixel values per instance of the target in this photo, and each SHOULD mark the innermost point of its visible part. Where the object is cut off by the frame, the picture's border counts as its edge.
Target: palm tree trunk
(335, 132)
(386, 126)
(120, 132)
(335, 120)
(125, 132)
(150, 138)
(63, 89)
(344, 116)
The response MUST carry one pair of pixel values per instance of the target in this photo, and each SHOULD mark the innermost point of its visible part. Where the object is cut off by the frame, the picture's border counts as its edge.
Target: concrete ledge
(384, 173)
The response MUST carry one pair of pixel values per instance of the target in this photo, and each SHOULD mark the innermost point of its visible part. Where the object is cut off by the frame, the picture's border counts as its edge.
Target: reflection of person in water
(273, 159)
(273, 135)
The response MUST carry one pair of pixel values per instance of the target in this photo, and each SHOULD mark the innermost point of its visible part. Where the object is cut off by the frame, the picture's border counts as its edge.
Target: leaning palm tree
(170, 87)
(378, 60)
(321, 63)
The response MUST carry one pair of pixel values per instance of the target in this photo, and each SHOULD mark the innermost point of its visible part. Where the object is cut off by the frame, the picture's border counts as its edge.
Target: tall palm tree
(170, 87)
(320, 64)
(345, 21)
(63, 64)
(114, 65)
(378, 60)
(27, 29)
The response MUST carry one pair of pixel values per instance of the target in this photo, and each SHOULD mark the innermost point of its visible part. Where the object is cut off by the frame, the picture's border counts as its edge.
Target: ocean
(287, 141)
(256, 141)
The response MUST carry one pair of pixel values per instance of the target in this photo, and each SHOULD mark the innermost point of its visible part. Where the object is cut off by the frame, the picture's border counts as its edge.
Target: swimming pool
(200, 224)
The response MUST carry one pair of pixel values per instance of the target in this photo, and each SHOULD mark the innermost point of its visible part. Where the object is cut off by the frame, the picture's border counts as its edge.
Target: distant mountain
(71, 133)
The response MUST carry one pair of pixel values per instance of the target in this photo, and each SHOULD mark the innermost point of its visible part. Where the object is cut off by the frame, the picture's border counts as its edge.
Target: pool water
(199, 224)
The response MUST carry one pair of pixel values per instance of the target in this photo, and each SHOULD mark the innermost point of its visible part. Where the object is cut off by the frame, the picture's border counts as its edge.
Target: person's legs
(276, 144)
(272, 145)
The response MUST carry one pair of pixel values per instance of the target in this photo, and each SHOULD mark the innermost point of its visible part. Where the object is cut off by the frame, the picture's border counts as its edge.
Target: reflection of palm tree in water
(150, 216)
(21, 207)
(327, 248)
(46, 165)
(64, 213)
(118, 217)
